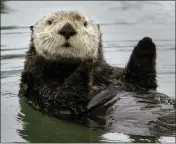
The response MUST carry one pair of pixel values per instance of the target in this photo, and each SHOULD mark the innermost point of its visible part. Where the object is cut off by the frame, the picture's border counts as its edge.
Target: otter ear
(31, 28)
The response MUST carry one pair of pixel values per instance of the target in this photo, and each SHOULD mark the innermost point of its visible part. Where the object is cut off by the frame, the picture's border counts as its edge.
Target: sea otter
(66, 75)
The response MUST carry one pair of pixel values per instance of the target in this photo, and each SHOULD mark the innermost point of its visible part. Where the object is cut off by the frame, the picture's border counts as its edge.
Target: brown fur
(68, 84)
(51, 85)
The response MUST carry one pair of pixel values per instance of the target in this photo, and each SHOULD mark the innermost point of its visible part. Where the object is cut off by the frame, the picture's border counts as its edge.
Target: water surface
(123, 24)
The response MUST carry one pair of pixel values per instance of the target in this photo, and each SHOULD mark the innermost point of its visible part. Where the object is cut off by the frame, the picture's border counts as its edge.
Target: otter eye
(85, 24)
(49, 22)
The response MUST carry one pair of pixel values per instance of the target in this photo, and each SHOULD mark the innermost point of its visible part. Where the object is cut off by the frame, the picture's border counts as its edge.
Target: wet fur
(141, 68)
(64, 86)
(69, 82)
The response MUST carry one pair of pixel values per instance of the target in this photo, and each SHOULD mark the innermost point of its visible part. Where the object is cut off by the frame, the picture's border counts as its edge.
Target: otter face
(66, 34)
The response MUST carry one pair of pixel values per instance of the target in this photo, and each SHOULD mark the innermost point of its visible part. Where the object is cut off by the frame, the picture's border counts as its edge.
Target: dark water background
(123, 24)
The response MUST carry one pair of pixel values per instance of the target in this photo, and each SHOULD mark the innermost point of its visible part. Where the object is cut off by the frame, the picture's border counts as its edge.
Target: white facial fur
(49, 43)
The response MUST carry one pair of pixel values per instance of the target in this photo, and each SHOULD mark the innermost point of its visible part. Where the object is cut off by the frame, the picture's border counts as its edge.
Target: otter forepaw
(145, 47)
(142, 64)
(144, 54)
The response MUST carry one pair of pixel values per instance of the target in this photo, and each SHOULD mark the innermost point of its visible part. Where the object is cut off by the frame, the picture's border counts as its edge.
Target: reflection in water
(116, 137)
(144, 139)
(41, 128)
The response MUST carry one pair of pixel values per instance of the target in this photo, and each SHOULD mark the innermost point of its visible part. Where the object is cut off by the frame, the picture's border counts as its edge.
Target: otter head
(66, 35)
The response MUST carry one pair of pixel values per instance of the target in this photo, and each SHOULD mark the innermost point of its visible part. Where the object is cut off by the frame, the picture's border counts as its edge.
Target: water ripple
(13, 27)
(11, 56)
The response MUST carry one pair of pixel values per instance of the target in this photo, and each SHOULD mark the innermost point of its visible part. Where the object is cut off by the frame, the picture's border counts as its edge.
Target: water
(122, 25)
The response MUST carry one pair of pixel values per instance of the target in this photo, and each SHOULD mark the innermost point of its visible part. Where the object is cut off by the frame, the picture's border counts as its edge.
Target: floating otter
(65, 74)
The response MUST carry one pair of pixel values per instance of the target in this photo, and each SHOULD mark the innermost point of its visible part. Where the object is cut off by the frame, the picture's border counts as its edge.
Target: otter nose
(67, 31)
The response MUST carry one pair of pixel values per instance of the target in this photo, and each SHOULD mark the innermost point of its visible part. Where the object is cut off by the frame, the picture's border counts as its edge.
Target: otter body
(65, 73)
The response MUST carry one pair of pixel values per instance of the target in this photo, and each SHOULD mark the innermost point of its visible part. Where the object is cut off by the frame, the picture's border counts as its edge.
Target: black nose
(67, 31)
